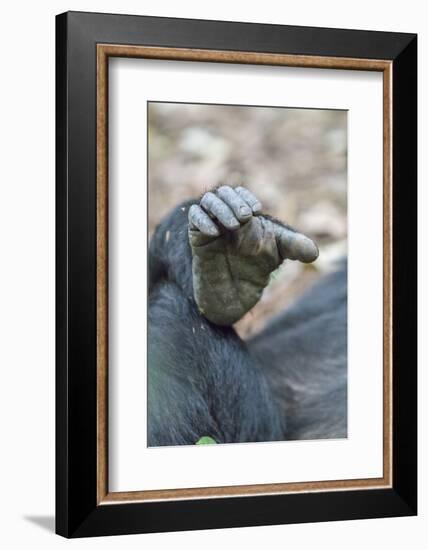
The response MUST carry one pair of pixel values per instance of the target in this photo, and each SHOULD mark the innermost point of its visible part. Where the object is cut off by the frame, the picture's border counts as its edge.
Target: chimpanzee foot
(235, 249)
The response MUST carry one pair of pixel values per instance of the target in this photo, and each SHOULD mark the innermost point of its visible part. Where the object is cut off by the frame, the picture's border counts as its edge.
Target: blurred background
(293, 160)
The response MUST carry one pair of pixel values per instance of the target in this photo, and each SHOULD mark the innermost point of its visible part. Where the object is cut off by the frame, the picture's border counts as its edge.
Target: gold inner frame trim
(104, 51)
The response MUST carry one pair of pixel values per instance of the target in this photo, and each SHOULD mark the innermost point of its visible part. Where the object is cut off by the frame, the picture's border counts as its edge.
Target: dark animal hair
(288, 382)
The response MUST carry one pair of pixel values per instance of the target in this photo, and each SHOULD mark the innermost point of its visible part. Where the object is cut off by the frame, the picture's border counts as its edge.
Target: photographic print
(247, 306)
(235, 238)
(237, 302)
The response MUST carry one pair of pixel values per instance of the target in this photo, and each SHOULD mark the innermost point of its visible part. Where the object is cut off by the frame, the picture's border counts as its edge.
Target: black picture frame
(78, 513)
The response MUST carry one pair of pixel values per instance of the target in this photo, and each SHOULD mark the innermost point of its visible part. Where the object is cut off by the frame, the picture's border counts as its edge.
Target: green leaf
(206, 441)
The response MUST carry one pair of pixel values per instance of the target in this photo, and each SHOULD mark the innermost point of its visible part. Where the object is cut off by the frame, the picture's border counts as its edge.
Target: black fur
(289, 382)
(304, 355)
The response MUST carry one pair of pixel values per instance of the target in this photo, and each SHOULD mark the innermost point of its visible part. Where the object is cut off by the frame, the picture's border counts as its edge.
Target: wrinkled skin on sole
(235, 248)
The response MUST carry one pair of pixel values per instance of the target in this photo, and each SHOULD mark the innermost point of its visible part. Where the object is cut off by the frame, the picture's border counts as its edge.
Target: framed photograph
(236, 274)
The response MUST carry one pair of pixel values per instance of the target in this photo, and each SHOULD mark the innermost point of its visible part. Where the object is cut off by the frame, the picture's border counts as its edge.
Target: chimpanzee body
(287, 382)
